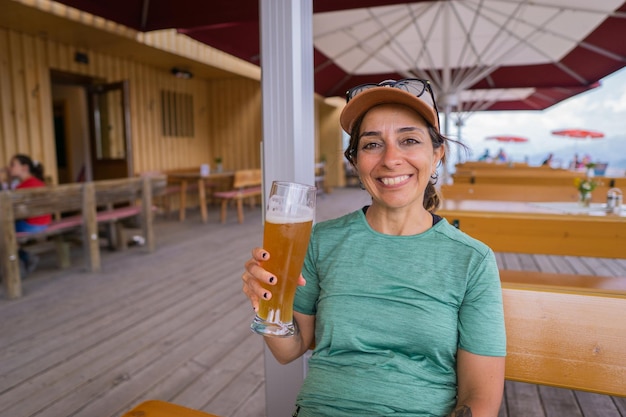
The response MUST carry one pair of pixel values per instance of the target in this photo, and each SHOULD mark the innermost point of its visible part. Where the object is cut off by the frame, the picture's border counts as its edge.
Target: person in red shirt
(27, 173)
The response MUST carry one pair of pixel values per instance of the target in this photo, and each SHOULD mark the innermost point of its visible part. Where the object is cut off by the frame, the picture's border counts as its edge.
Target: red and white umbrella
(579, 133)
(508, 138)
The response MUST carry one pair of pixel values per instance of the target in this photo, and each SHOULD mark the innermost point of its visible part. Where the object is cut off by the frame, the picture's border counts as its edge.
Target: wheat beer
(286, 237)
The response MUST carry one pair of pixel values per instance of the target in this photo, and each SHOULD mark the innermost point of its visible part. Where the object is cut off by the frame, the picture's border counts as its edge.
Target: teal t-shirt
(391, 312)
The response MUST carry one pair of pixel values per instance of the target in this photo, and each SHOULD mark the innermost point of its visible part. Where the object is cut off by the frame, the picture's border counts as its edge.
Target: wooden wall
(233, 112)
(25, 98)
(329, 145)
(227, 111)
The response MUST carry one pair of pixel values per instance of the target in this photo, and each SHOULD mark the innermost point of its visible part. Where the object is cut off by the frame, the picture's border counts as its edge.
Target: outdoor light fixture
(181, 73)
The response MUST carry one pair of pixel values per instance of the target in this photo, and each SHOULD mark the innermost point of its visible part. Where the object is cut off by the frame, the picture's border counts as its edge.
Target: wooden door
(111, 147)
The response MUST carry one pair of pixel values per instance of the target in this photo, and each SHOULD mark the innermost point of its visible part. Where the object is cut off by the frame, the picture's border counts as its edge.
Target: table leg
(183, 200)
(202, 198)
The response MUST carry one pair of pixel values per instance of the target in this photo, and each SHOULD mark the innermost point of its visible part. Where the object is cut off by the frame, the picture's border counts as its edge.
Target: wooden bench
(135, 197)
(527, 193)
(23, 204)
(566, 331)
(157, 408)
(171, 188)
(540, 232)
(542, 177)
(83, 198)
(246, 185)
(563, 282)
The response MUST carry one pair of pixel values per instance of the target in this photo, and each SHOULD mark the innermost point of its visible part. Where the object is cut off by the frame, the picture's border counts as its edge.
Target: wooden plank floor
(174, 325)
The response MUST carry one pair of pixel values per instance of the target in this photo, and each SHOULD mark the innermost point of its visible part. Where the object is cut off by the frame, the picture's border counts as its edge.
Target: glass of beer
(288, 223)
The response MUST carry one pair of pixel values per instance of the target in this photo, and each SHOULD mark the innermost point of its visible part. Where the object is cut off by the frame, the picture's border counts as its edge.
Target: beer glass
(288, 223)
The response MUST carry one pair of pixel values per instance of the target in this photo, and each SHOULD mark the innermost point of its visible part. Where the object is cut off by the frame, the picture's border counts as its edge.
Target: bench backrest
(116, 191)
(247, 178)
(125, 189)
(527, 193)
(566, 338)
(32, 202)
(515, 177)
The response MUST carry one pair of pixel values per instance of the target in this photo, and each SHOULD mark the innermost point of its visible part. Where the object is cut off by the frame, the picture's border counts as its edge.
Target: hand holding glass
(288, 223)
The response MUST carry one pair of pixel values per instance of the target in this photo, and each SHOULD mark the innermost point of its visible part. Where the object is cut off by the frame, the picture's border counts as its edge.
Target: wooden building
(92, 99)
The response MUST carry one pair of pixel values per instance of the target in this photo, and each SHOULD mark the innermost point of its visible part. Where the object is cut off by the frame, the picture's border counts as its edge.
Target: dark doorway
(92, 128)
(111, 152)
(64, 170)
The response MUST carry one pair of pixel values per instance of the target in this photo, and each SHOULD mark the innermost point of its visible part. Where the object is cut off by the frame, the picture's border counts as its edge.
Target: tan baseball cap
(388, 94)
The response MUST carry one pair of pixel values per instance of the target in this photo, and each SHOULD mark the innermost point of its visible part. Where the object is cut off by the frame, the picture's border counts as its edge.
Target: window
(177, 114)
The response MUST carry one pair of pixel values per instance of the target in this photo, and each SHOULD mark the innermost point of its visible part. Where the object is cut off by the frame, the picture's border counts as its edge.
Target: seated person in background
(586, 160)
(575, 164)
(485, 157)
(548, 160)
(28, 174)
(501, 156)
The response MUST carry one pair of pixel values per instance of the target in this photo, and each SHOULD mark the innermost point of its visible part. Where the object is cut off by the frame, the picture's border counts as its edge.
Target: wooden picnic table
(202, 180)
(551, 228)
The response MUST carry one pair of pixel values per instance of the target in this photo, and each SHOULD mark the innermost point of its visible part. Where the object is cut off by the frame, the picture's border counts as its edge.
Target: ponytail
(431, 198)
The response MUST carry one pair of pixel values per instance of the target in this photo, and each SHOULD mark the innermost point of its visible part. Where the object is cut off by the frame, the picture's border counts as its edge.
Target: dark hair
(35, 168)
(432, 199)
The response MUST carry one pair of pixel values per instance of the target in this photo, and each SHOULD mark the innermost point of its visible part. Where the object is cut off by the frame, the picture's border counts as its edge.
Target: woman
(405, 310)
(27, 173)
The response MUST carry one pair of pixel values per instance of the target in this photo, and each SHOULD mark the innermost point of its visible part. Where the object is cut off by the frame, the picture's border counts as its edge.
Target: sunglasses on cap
(415, 86)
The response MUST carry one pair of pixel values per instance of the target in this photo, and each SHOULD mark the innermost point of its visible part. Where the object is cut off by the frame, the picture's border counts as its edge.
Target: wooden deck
(174, 325)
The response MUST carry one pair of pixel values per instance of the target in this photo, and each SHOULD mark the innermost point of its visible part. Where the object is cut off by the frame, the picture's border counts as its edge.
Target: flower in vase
(586, 185)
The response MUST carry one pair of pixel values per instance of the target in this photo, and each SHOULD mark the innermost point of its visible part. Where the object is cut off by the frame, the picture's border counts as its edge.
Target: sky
(602, 109)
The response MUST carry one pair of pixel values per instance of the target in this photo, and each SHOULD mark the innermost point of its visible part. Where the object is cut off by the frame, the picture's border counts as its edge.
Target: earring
(434, 177)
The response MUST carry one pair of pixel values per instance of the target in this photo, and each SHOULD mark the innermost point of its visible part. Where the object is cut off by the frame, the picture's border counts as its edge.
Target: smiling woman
(395, 160)
(397, 300)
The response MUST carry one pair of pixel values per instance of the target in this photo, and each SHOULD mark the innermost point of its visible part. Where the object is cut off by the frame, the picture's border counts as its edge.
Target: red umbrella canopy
(547, 51)
(579, 133)
(508, 138)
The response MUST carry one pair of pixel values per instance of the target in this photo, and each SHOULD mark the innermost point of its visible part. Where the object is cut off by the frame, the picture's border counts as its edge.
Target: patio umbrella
(505, 138)
(545, 50)
(579, 133)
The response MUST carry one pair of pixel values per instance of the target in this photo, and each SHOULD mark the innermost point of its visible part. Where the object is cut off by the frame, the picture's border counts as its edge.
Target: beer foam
(300, 215)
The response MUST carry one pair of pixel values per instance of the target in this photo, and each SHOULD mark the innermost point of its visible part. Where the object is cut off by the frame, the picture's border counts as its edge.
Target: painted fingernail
(264, 256)
(265, 295)
(272, 280)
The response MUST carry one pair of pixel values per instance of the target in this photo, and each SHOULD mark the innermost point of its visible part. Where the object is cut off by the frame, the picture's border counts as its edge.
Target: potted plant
(218, 164)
